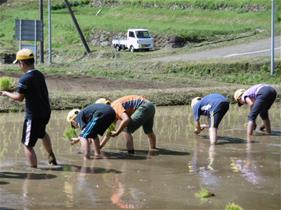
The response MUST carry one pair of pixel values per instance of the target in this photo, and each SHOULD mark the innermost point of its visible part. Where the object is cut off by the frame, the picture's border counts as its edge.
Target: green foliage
(241, 73)
(69, 133)
(164, 17)
(204, 193)
(237, 5)
(62, 5)
(233, 206)
(7, 83)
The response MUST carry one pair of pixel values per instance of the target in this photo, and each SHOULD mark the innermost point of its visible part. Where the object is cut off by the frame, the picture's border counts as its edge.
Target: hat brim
(15, 61)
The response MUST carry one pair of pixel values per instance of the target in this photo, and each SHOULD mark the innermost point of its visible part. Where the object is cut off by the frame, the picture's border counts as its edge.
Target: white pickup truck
(137, 39)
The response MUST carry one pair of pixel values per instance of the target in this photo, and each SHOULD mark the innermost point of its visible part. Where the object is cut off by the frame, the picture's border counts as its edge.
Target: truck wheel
(132, 49)
(118, 47)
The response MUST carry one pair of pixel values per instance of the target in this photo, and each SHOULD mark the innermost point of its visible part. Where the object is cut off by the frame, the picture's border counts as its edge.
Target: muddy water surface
(247, 174)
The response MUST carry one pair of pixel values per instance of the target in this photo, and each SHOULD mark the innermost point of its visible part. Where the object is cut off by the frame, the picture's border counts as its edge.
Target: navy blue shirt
(32, 84)
(94, 110)
(207, 105)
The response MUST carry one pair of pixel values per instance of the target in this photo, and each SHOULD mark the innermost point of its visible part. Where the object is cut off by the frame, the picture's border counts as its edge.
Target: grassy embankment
(200, 22)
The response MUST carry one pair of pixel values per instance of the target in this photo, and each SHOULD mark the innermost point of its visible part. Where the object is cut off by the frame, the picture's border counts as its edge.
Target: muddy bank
(62, 100)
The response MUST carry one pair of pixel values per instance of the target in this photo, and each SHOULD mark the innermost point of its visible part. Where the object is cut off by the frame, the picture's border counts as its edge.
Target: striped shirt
(127, 104)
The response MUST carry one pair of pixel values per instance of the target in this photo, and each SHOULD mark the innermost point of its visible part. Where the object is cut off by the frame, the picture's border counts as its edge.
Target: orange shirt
(127, 104)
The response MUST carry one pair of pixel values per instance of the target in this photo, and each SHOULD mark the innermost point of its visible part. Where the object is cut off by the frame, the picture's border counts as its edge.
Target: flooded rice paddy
(246, 174)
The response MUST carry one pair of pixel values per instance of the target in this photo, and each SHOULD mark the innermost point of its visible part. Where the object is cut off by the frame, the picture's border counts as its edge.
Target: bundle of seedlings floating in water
(233, 206)
(69, 133)
(204, 193)
(7, 84)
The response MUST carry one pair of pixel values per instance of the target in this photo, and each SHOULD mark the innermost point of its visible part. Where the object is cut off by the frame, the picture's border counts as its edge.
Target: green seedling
(110, 129)
(233, 206)
(7, 84)
(204, 193)
(69, 133)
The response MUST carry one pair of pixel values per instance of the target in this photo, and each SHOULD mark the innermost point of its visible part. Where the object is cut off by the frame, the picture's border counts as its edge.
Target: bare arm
(105, 139)
(250, 102)
(15, 95)
(197, 129)
(251, 125)
(250, 128)
(123, 124)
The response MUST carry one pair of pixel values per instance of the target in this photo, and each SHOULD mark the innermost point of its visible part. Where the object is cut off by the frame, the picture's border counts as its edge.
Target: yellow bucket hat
(23, 54)
(72, 115)
(103, 101)
(237, 95)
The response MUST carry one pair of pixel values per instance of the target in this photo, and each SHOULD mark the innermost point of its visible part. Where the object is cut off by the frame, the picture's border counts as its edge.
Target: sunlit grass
(197, 23)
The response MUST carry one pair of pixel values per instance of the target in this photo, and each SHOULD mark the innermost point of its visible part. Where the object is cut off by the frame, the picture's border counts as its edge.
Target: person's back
(97, 111)
(214, 106)
(208, 104)
(93, 120)
(134, 111)
(127, 104)
(32, 84)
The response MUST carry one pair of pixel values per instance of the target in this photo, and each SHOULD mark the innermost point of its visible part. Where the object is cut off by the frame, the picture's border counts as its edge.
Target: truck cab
(139, 39)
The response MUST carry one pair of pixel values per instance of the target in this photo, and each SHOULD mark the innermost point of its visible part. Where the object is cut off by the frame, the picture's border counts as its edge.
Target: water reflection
(204, 166)
(247, 167)
(153, 181)
(123, 196)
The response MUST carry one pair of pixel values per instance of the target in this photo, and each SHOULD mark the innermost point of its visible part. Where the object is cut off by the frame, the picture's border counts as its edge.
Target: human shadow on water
(86, 170)
(273, 133)
(2, 183)
(19, 175)
(124, 155)
(161, 151)
(230, 140)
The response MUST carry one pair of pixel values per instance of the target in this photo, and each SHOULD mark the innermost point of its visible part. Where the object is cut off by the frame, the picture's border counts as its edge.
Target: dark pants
(264, 99)
(218, 113)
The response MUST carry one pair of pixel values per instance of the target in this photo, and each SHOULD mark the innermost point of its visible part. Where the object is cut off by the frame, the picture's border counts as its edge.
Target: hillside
(197, 24)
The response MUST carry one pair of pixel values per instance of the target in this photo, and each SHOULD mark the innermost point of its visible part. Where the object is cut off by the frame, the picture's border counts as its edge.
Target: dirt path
(252, 49)
(71, 83)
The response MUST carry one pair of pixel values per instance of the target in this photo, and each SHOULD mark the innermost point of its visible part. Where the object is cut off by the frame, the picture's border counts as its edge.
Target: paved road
(253, 49)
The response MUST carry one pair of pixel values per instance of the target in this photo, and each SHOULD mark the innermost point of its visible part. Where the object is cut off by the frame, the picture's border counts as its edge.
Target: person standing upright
(32, 87)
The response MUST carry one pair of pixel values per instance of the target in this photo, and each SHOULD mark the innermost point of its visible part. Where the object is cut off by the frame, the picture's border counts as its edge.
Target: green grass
(203, 4)
(200, 22)
(236, 72)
